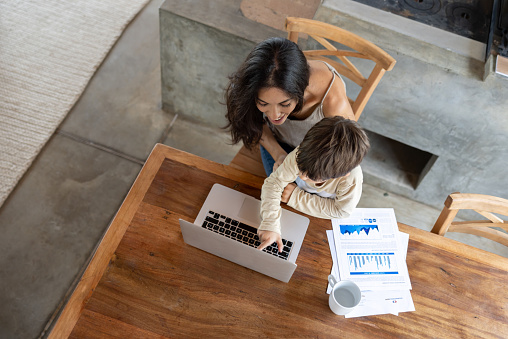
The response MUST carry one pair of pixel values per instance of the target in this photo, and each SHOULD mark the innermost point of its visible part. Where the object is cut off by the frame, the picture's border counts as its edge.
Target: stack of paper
(368, 248)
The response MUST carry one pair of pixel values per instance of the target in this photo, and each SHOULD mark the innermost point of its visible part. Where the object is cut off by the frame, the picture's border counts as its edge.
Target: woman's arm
(269, 142)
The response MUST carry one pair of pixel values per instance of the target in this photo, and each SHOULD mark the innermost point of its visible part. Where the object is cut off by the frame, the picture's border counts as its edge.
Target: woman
(276, 96)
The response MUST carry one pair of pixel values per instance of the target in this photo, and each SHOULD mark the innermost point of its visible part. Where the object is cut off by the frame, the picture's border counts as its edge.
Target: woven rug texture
(49, 50)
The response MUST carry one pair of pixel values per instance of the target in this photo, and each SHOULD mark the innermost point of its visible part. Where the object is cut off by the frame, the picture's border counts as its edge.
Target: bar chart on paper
(372, 263)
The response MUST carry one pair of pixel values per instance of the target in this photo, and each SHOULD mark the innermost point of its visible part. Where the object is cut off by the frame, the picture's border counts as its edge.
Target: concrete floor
(56, 215)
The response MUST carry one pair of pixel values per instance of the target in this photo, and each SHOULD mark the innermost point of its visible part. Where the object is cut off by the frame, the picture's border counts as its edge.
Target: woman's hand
(268, 237)
(279, 161)
(288, 190)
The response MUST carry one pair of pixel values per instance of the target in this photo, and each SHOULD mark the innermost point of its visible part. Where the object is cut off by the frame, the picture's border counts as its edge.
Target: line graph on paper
(361, 232)
(372, 263)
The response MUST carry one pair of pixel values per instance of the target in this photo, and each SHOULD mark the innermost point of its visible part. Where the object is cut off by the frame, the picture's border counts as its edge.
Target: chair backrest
(360, 48)
(486, 205)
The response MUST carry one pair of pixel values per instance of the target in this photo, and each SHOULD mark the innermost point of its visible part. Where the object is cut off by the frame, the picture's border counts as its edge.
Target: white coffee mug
(345, 296)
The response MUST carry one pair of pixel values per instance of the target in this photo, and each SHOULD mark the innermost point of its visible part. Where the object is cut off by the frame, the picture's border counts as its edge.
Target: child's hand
(268, 237)
(288, 190)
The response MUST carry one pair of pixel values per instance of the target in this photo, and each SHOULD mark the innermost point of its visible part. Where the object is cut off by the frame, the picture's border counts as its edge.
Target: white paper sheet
(369, 251)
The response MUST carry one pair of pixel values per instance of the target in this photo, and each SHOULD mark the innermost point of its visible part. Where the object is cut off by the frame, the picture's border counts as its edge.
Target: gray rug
(49, 50)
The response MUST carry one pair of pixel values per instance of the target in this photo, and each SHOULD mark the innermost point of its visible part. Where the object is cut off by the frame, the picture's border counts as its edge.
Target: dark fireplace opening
(396, 162)
(468, 18)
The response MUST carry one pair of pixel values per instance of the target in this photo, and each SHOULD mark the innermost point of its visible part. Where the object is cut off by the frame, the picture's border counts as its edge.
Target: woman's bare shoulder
(336, 101)
(337, 104)
(320, 75)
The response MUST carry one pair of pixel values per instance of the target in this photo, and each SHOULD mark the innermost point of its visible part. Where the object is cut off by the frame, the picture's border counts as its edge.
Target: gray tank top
(292, 132)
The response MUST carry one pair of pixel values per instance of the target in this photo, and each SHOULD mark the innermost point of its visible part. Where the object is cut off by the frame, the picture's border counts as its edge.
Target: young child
(327, 173)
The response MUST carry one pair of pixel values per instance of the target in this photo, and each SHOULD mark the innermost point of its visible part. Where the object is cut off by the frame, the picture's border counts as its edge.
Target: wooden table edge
(107, 247)
(109, 243)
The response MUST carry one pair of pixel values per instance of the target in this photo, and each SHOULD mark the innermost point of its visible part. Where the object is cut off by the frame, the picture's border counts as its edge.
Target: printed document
(369, 250)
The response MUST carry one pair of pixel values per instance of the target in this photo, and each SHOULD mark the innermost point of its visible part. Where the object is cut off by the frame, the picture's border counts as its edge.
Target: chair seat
(249, 161)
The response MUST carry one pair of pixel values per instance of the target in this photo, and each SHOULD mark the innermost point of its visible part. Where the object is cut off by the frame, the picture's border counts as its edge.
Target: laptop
(226, 226)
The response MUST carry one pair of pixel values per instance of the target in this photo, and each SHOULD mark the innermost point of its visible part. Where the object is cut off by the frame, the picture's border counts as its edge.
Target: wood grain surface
(156, 286)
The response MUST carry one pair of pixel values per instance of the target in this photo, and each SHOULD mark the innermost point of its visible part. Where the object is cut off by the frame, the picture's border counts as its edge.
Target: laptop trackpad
(250, 211)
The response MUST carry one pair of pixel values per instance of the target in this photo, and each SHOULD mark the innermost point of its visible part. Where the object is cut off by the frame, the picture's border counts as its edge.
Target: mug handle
(332, 280)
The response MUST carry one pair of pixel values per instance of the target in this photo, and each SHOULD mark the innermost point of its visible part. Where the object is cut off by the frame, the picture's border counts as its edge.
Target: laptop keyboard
(242, 233)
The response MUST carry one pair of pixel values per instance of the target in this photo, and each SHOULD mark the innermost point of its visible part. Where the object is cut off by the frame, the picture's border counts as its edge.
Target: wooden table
(145, 282)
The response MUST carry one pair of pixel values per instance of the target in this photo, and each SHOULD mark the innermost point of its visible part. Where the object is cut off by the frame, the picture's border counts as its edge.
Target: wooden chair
(360, 49)
(249, 161)
(486, 205)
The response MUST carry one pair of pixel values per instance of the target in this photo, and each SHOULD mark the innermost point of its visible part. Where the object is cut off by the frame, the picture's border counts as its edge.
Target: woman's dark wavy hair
(275, 62)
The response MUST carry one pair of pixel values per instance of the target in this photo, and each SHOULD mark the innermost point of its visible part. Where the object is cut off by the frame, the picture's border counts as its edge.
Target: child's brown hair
(332, 148)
